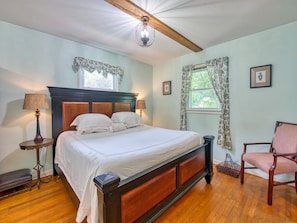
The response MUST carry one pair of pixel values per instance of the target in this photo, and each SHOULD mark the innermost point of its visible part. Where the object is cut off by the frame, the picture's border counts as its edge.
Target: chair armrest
(285, 154)
(256, 143)
(245, 145)
(290, 156)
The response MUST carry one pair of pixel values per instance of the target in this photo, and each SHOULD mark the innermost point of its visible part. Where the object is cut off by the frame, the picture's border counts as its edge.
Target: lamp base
(38, 139)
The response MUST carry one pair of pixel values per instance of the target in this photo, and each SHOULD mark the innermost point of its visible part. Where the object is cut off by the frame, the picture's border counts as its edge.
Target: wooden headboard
(67, 103)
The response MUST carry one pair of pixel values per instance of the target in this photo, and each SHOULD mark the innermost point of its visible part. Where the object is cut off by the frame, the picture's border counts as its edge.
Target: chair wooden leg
(270, 187)
(242, 172)
(296, 182)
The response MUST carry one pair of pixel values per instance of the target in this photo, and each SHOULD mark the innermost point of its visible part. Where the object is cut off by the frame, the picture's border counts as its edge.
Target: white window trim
(215, 111)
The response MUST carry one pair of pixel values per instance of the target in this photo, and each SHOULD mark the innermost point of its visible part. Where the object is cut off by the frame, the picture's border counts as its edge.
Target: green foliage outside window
(202, 94)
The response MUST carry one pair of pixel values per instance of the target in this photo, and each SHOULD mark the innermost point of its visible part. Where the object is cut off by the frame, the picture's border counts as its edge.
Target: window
(96, 80)
(202, 96)
(97, 75)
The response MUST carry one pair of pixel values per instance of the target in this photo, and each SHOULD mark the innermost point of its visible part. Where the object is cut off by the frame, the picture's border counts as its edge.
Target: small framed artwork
(260, 76)
(166, 87)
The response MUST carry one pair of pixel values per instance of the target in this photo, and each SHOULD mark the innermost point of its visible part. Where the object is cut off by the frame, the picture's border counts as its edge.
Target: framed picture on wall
(260, 76)
(166, 87)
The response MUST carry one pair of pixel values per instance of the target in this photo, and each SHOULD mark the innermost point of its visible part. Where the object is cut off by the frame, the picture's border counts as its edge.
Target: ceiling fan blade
(137, 12)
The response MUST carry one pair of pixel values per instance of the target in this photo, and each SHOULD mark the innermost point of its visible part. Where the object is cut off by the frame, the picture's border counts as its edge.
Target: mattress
(125, 153)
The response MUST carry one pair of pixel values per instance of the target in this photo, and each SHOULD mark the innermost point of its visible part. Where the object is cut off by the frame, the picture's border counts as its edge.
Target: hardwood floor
(48, 204)
(224, 200)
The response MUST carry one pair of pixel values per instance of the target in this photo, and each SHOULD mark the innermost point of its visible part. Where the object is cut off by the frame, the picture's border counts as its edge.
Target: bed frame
(146, 195)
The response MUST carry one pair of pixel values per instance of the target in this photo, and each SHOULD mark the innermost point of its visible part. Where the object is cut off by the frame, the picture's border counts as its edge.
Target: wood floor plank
(50, 203)
(224, 200)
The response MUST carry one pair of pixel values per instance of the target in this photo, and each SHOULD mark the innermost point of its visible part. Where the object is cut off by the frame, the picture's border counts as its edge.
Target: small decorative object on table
(229, 167)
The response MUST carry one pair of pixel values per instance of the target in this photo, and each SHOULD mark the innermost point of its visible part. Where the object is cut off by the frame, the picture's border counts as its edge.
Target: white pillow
(91, 123)
(130, 119)
(116, 127)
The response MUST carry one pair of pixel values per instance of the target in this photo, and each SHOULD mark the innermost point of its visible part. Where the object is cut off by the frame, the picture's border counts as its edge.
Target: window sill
(204, 111)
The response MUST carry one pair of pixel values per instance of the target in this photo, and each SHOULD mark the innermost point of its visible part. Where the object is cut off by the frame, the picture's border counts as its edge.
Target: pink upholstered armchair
(280, 159)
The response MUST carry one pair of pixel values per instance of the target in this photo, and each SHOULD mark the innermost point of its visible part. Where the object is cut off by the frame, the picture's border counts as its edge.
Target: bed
(140, 196)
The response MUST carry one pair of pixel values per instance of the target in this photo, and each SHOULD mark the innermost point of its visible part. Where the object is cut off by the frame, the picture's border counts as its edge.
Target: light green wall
(253, 111)
(29, 62)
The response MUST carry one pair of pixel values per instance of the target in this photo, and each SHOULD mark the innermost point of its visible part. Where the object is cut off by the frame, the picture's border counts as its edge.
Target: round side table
(30, 145)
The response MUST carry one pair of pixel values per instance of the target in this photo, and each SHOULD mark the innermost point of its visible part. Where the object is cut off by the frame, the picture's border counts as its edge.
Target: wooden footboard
(145, 196)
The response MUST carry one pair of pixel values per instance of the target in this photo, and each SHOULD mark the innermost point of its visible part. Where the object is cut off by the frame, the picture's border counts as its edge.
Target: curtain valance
(92, 65)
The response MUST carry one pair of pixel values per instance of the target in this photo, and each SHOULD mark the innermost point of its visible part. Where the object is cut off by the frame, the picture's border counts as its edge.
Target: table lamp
(36, 102)
(140, 104)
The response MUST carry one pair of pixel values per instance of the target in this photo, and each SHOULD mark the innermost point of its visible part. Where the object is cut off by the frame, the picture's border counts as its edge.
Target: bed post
(109, 201)
(208, 157)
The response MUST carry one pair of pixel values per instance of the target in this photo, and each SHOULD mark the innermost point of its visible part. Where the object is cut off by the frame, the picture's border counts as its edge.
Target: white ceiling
(99, 24)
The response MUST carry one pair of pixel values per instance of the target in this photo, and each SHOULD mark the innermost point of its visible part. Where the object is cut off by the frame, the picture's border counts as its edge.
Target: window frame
(82, 84)
(201, 110)
(81, 64)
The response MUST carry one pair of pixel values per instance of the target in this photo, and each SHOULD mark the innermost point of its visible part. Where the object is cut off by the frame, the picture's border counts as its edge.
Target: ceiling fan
(137, 12)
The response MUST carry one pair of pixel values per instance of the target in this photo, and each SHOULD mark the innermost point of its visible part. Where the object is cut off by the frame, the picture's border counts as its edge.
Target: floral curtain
(92, 65)
(186, 83)
(218, 73)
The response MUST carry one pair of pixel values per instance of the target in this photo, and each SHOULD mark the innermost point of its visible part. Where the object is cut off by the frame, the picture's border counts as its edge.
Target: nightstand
(30, 145)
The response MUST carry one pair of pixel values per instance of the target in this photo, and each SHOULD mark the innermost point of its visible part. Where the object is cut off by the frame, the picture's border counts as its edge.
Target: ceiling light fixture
(145, 35)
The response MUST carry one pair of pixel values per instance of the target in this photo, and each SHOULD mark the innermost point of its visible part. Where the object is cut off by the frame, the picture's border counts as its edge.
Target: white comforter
(125, 153)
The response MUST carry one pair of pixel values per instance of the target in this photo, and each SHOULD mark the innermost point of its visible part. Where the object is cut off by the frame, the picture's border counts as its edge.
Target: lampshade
(140, 104)
(145, 35)
(35, 101)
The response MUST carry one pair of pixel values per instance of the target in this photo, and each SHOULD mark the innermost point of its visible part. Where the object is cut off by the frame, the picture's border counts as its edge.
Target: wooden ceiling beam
(137, 12)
